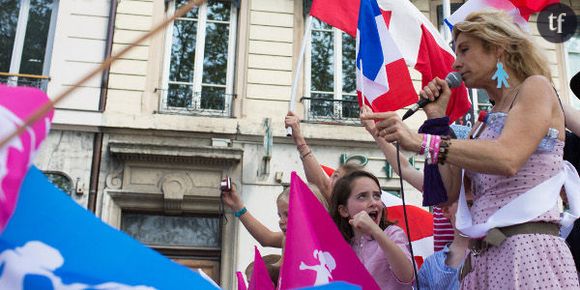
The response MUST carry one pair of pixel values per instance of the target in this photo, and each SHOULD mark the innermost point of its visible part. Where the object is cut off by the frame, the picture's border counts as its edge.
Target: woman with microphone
(515, 164)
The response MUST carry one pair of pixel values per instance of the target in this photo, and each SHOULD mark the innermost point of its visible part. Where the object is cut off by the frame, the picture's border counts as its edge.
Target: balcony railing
(333, 111)
(37, 81)
(198, 103)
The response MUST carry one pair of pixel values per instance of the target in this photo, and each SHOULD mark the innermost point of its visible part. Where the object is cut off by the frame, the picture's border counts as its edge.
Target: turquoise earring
(501, 76)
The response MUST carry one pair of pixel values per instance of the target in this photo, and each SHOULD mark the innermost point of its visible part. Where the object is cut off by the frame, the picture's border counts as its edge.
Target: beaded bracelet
(443, 149)
(427, 153)
(423, 145)
(240, 212)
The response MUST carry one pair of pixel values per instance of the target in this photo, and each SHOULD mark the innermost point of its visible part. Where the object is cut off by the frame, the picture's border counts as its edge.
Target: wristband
(240, 212)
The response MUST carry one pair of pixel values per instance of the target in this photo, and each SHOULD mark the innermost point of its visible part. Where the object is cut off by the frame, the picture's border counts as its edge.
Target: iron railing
(198, 103)
(27, 80)
(320, 110)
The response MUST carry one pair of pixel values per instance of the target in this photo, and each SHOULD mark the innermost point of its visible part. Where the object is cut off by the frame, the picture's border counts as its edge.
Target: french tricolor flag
(424, 49)
(412, 37)
(383, 80)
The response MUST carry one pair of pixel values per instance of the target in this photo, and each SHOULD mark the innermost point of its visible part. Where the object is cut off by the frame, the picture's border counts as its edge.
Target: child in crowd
(382, 247)
(312, 168)
(441, 270)
(265, 236)
(272, 265)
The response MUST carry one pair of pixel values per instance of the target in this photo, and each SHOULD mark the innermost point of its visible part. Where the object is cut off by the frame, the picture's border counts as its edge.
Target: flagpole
(446, 13)
(298, 69)
(106, 64)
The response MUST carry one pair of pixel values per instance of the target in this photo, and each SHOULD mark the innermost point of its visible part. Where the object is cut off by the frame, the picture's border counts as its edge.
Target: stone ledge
(182, 154)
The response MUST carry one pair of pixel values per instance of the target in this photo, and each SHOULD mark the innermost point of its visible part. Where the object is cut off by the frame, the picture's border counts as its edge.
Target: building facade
(145, 144)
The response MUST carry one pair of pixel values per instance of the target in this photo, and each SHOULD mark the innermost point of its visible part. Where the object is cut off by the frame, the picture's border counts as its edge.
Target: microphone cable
(405, 216)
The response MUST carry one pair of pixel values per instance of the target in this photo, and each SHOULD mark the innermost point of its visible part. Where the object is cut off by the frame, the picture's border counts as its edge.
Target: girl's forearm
(401, 266)
(261, 233)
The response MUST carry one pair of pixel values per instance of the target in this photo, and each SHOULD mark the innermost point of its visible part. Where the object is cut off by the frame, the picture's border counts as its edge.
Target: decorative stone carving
(114, 179)
(174, 186)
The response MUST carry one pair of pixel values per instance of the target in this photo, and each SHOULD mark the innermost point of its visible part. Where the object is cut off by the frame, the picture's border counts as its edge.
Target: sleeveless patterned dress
(528, 261)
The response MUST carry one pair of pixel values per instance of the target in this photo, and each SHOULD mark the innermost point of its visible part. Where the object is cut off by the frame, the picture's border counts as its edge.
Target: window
(60, 180)
(199, 72)
(573, 49)
(26, 34)
(330, 76)
(193, 241)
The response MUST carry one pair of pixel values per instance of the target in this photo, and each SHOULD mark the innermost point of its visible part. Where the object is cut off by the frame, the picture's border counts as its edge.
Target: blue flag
(52, 243)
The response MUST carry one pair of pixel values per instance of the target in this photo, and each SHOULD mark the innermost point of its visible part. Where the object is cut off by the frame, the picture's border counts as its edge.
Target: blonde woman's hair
(496, 29)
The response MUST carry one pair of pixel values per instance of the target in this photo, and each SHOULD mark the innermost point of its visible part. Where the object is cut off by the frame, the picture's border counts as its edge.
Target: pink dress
(373, 258)
(530, 261)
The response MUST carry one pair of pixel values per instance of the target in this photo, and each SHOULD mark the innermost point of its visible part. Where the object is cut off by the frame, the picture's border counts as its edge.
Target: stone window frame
(14, 76)
(196, 83)
(170, 198)
(339, 99)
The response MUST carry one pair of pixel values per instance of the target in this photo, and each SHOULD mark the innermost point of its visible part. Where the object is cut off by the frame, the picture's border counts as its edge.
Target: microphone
(453, 80)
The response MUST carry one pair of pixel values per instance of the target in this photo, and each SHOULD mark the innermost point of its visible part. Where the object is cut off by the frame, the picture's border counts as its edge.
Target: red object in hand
(482, 116)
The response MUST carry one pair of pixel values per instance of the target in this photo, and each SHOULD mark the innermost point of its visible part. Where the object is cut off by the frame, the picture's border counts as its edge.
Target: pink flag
(424, 49)
(315, 251)
(16, 104)
(260, 278)
(241, 281)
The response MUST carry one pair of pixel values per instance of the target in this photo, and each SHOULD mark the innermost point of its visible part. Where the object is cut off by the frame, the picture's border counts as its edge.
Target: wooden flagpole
(106, 64)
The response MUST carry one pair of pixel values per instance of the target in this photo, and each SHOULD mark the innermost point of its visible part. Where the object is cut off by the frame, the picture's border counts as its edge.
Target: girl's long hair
(340, 194)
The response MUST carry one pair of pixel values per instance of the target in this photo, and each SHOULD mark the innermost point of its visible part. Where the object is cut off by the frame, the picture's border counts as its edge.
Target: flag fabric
(424, 48)
(16, 104)
(519, 10)
(328, 170)
(383, 79)
(337, 13)
(315, 252)
(529, 7)
(420, 223)
(260, 278)
(53, 243)
(479, 5)
(47, 241)
(241, 281)
(419, 42)
(334, 286)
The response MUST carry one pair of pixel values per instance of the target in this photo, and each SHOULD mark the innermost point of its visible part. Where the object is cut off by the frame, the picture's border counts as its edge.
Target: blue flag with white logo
(50, 242)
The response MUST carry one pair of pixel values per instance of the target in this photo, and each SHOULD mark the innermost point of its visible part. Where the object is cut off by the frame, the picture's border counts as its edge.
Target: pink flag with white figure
(424, 48)
(260, 278)
(241, 281)
(315, 251)
(16, 105)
